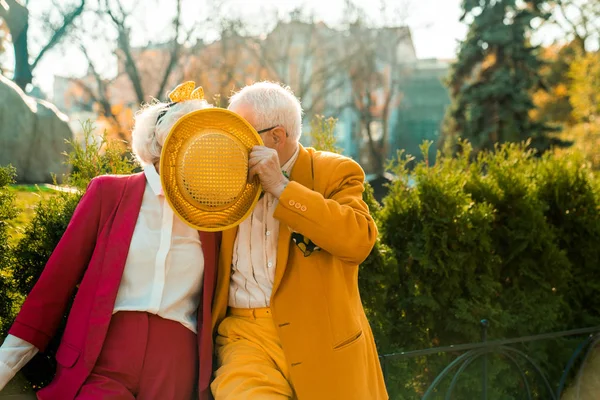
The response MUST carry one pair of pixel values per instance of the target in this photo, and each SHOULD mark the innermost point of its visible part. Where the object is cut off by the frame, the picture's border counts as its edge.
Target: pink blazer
(92, 253)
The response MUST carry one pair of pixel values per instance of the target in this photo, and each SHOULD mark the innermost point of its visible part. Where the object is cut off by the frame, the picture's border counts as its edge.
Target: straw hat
(204, 167)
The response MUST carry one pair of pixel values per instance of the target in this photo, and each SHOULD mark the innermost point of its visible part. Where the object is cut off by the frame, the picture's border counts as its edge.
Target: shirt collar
(289, 164)
(153, 179)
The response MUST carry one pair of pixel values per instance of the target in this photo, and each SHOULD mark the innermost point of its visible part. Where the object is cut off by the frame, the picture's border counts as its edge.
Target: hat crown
(204, 169)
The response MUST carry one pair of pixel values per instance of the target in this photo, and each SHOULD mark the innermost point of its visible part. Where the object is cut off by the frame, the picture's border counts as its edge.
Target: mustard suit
(315, 333)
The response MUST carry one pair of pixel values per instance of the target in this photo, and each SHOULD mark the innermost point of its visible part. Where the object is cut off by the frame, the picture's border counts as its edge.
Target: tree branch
(60, 32)
(174, 55)
(125, 47)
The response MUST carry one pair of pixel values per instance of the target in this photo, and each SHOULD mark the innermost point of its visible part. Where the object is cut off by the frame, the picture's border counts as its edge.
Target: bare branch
(175, 50)
(100, 97)
(123, 42)
(60, 32)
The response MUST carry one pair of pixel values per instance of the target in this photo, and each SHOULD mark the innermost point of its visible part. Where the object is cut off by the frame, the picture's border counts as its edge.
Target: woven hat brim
(192, 126)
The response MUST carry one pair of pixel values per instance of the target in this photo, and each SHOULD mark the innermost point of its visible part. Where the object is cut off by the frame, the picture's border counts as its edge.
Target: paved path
(588, 387)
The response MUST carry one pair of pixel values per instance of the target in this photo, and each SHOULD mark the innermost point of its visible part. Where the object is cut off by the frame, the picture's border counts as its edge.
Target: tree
(579, 20)
(16, 17)
(570, 99)
(492, 80)
(585, 87)
(226, 64)
(309, 56)
(377, 57)
(354, 68)
(144, 73)
(552, 105)
(375, 72)
(584, 97)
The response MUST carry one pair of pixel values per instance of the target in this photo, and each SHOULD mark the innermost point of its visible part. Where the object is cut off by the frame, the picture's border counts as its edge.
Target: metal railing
(513, 356)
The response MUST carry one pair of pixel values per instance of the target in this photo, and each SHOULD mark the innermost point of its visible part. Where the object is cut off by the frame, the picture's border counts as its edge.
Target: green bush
(7, 212)
(571, 194)
(508, 237)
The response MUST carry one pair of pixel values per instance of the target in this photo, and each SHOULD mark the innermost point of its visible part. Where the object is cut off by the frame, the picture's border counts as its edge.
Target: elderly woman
(141, 318)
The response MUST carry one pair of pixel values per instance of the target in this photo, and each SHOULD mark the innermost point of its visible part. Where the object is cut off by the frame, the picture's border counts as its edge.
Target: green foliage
(377, 276)
(504, 236)
(552, 102)
(7, 213)
(570, 99)
(585, 87)
(586, 137)
(322, 134)
(41, 237)
(494, 75)
(96, 156)
(571, 196)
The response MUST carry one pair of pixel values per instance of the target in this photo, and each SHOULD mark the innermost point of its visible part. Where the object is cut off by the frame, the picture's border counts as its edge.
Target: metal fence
(522, 363)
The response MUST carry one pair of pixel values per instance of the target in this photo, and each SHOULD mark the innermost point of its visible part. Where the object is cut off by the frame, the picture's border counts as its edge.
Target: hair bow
(186, 91)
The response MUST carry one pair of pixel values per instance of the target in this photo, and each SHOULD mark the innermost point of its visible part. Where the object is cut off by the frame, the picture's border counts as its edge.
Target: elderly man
(287, 313)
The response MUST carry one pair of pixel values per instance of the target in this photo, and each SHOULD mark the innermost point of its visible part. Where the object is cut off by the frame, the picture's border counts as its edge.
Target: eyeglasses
(270, 129)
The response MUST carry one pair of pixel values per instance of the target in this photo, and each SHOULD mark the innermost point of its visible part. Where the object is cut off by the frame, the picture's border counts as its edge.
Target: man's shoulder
(333, 162)
(331, 159)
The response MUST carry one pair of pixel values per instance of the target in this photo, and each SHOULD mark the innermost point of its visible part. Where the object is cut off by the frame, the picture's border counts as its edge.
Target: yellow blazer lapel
(302, 172)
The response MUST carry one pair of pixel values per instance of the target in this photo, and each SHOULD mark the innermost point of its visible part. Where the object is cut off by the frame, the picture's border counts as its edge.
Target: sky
(435, 26)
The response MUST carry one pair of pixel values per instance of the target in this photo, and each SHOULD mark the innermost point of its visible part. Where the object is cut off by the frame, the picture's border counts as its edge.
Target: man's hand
(264, 162)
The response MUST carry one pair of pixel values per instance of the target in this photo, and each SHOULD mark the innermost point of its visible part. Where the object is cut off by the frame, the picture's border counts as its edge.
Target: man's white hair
(148, 136)
(273, 105)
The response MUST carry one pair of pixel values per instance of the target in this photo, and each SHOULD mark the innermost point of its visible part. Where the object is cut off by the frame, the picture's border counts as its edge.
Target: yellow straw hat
(204, 167)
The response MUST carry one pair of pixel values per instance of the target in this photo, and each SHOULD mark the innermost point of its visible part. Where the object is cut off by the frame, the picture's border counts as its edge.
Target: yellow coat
(315, 302)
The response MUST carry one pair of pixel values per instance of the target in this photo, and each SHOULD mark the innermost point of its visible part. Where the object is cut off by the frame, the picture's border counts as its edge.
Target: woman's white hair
(149, 135)
(273, 105)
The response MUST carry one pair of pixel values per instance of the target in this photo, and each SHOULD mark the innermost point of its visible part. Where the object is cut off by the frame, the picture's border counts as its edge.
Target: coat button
(292, 203)
(303, 208)
(298, 205)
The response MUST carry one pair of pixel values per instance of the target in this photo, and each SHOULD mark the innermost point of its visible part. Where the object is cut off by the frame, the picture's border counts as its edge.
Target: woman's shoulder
(116, 180)
(110, 188)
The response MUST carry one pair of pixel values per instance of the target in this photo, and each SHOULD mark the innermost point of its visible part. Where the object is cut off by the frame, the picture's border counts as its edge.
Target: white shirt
(162, 275)
(255, 253)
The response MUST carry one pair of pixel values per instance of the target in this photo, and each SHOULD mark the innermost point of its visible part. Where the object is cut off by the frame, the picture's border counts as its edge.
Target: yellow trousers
(252, 365)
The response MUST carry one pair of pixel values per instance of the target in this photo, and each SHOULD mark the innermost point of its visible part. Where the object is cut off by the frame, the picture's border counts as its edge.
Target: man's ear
(279, 136)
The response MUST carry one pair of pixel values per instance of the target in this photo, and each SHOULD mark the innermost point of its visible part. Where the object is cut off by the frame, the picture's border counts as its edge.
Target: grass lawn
(27, 197)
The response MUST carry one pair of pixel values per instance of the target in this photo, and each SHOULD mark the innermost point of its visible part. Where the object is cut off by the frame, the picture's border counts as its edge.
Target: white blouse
(163, 273)
(165, 265)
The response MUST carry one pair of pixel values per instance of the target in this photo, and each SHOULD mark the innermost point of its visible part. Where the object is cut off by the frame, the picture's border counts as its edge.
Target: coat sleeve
(45, 305)
(339, 222)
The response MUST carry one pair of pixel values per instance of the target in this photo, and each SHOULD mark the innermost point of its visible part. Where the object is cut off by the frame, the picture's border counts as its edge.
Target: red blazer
(92, 253)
